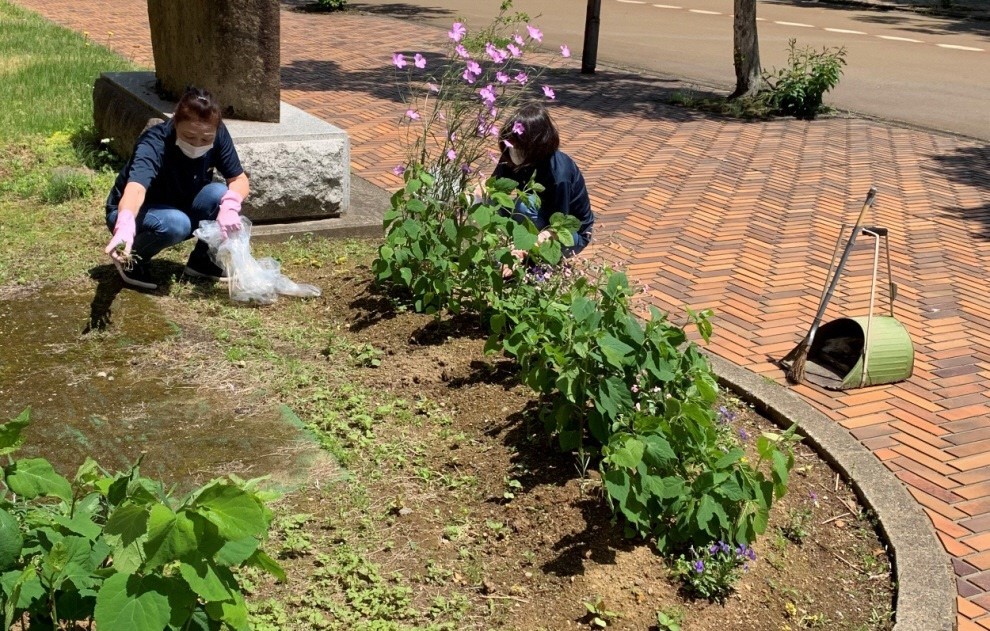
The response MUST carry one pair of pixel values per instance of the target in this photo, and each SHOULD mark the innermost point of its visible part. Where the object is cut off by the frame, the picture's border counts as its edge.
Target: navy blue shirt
(171, 178)
(564, 190)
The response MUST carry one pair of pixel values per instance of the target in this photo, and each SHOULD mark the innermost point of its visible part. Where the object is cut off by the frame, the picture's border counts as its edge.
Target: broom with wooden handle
(799, 355)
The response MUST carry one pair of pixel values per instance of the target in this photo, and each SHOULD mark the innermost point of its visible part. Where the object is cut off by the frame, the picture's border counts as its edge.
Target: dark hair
(539, 138)
(199, 105)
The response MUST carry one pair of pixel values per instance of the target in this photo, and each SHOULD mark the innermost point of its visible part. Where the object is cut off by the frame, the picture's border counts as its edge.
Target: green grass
(47, 73)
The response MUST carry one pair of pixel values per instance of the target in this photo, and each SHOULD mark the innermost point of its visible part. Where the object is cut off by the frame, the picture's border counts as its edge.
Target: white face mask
(192, 151)
(516, 156)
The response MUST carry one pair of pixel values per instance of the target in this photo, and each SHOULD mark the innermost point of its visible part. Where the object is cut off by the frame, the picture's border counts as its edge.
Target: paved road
(926, 71)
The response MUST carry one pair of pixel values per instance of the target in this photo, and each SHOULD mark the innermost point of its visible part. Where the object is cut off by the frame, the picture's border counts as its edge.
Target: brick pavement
(737, 216)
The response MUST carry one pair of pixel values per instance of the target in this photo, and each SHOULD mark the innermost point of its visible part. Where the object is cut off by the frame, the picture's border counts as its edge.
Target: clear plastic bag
(257, 281)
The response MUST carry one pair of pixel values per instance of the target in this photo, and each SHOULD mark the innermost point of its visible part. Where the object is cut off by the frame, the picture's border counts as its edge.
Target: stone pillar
(229, 47)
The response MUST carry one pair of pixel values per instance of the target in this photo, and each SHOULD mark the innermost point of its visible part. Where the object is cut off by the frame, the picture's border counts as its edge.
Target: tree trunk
(746, 50)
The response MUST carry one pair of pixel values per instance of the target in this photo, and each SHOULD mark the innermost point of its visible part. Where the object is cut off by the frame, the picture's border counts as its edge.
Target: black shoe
(203, 267)
(136, 276)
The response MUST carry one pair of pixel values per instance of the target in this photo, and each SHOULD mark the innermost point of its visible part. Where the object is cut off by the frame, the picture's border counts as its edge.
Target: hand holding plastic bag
(258, 281)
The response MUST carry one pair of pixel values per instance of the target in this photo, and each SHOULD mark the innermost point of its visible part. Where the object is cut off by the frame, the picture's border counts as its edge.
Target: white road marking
(667, 6)
(900, 39)
(631, 2)
(795, 24)
(955, 47)
(845, 30)
(704, 12)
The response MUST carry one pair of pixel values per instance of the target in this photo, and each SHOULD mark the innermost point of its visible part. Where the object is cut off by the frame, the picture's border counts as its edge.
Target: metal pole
(589, 55)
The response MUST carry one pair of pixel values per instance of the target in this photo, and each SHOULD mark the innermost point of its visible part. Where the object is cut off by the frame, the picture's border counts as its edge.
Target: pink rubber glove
(229, 217)
(123, 232)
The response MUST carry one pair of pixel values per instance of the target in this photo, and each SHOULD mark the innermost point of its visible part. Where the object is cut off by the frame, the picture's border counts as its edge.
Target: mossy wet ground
(92, 393)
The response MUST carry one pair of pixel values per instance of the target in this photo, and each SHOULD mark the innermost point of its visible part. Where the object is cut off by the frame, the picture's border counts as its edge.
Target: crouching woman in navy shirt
(167, 188)
(531, 144)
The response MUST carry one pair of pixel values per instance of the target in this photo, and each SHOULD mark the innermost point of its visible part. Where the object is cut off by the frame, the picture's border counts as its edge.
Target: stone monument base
(299, 167)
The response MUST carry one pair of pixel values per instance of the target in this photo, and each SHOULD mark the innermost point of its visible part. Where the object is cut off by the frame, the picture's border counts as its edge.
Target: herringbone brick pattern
(740, 217)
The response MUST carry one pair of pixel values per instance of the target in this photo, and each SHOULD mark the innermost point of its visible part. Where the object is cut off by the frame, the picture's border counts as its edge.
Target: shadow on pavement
(970, 166)
(928, 18)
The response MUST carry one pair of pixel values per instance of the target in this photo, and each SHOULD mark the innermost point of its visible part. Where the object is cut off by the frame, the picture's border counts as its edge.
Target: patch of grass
(743, 108)
(48, 72)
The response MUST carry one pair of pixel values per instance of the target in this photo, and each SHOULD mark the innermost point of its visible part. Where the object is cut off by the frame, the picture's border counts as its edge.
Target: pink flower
(420, 61)
(434, 88)
(399, 169)
(497, 55)
(492, 156)
(518, 128)
(412, 114)
(565, 51)
(514, 50)
(451, 154)
(522, 78)
(457, 32)
(462, 52)
(399, 60)
(549, 93)
(519, 39)
(502, 77)
(488, 94)
(535, 33)
(469, 76)
(474, 67)
(507, 143)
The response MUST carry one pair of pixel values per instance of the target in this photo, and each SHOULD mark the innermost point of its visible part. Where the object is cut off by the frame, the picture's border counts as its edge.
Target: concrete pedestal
(299, 167)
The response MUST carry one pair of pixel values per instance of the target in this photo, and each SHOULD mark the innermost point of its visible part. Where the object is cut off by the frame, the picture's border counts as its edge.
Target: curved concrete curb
(926, 589)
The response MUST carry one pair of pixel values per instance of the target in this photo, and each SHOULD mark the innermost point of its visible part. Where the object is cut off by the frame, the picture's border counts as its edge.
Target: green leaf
(236, 513)
(69, 559)
(582, 309)
(210, 583)
(130, 521)
(171, 536)
(616, 352)
(234, 612)
(522, 238)
(11, 540)
(628, 455)
(706, 511)
(35, 477)
(80, 524)
(503, 184)
(658, 453)
(264, 562)
(236, 552)
(729, 459)
(406, 274)
(127, 602)
(10, 432)
(618, 485)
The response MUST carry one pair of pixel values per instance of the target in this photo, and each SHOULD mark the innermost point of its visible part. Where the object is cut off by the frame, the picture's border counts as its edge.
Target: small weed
(796, 528)
(512, 486)
(599, 617)
(366, 356)
(670, 619)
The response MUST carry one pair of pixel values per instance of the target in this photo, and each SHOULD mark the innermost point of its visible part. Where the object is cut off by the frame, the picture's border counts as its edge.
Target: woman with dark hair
(531, 144)
(167, 188)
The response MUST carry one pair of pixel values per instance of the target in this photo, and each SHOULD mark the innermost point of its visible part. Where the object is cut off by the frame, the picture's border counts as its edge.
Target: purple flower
(457, 32)
(497, 55)
(519, 129)
(743, 435)
(420, 61)
(399, 60)
(565, 51)
(514, 50)
(412, 114)
(501, 77)
(488, 94)
(519, 39)
(466, 169)
(451, 154)
(723, 547)
(462, 52)
(522, 78)
(713, 549)
(399, 169)
(535, 33)
(474, 67)
(469, 76)
(699, 566)
(549, 93)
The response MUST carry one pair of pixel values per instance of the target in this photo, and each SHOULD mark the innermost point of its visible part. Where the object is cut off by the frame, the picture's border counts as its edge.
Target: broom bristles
(795, 374)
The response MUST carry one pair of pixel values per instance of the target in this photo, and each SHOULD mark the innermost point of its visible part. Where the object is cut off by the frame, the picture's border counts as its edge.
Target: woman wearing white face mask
(167, 188)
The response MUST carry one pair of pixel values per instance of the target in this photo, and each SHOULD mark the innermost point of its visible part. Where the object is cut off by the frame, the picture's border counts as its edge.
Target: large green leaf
(235, 512)
(127, 602)
(522, 238)
(130, 521)
(35, 477)
(211, 583)
(11, 437)
(658, 453)
(171, 536)
(69, 559)
(11, 540)
(237, 551)
(628, 455)
(616, 352)
(233, 612)
(264, 562)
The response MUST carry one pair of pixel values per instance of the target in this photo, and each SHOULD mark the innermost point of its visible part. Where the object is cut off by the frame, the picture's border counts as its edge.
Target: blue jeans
(526, 208)
(160, 226)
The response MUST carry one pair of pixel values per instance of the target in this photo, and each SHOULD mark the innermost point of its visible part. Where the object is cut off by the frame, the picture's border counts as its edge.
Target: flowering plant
(712, 571)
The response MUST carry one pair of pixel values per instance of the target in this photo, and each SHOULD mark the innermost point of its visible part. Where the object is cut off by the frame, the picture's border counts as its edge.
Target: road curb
(924, 579)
